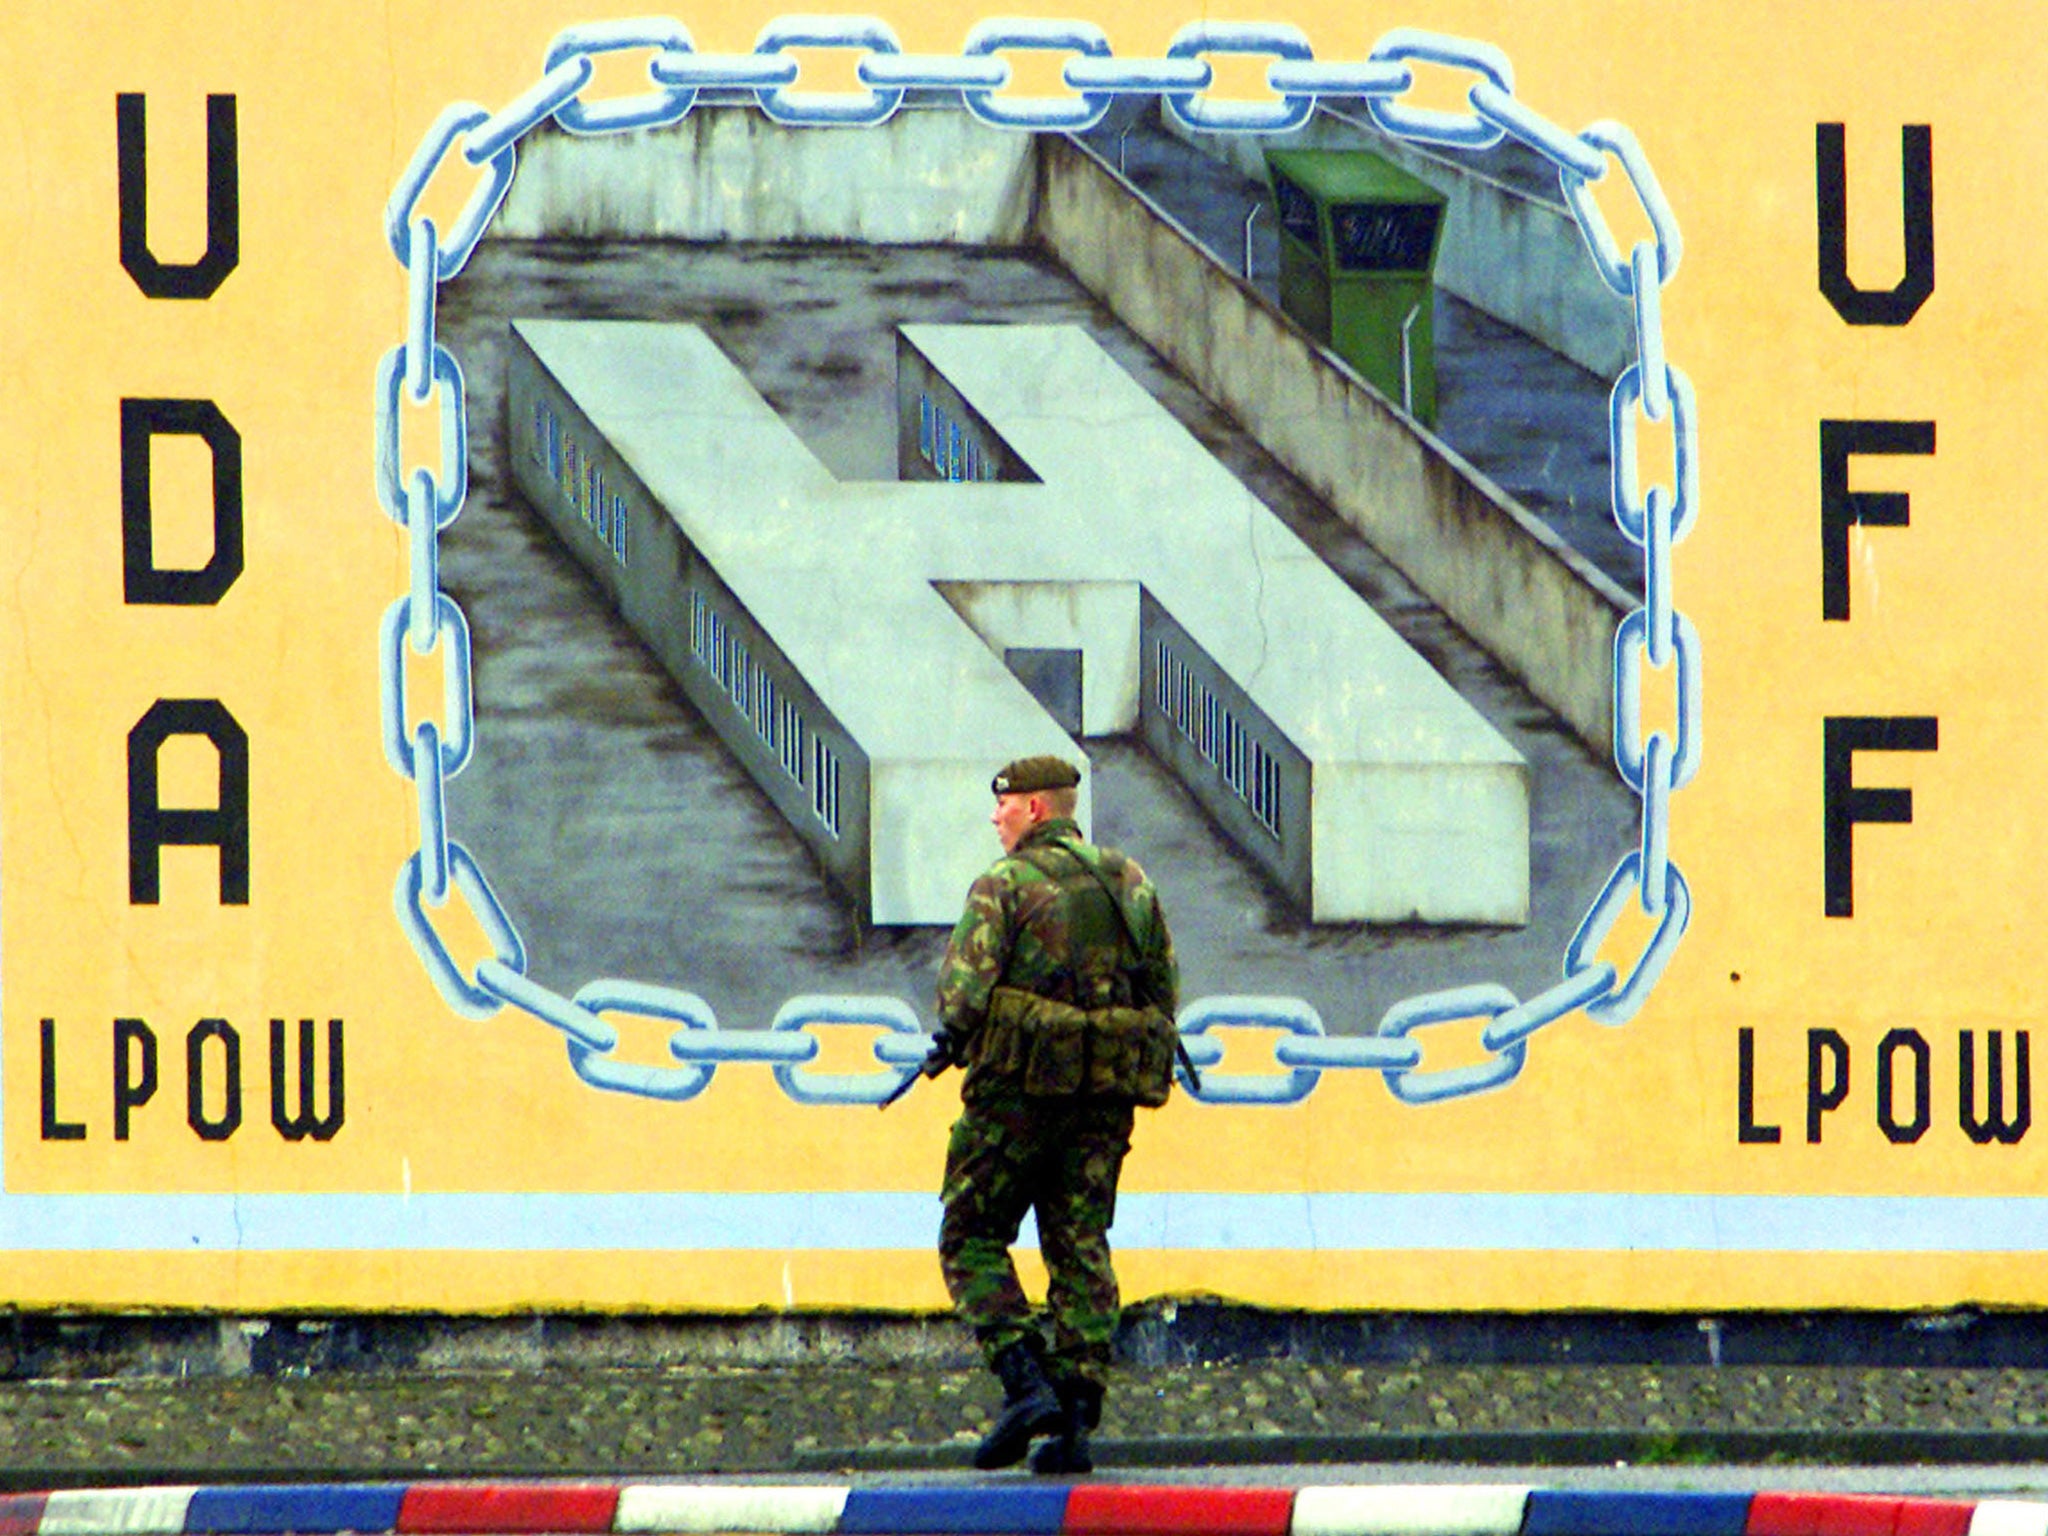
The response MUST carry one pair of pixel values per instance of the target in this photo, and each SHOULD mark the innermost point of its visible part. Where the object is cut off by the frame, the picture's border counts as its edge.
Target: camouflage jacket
(1039, 920)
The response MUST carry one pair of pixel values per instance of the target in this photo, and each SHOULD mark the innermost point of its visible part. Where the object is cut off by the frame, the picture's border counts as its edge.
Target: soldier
(1057, 993)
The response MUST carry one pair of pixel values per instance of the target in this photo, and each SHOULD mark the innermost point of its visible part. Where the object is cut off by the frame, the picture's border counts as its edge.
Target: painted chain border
(424, 618)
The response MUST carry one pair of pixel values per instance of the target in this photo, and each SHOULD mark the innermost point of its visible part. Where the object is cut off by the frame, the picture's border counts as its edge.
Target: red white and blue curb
(1030, 1509)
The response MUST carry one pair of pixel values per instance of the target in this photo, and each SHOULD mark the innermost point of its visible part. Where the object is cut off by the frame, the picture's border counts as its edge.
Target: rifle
(936, 1060)
(940, 1057)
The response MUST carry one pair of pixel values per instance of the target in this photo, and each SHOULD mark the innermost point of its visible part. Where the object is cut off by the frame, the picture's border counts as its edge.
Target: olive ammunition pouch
(1052, 1049)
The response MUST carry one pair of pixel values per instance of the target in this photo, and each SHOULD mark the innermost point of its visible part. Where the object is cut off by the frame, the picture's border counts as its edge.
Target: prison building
(863, 647)
(600, 507)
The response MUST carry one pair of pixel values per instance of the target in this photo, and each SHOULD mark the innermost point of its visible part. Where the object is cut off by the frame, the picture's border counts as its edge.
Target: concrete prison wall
(1543, 609)
(926, 177)
(938, 176)
(623, 533)
(1518, 256)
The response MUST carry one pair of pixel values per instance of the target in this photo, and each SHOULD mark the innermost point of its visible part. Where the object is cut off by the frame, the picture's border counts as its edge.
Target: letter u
(170, 280)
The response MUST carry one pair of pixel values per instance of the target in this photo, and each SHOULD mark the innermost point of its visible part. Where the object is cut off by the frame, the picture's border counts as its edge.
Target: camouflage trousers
(1061, 1157)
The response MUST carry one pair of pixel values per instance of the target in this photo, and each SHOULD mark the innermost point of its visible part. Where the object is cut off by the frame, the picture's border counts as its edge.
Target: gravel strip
(697, 1418)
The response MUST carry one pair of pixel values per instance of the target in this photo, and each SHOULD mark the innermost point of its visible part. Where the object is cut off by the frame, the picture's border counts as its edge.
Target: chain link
(1486, 1000)
(1513, 1025)
(423, 287)
(1425, 125)
(890, 1013)
(432, 785)
(1286, 44)
(1263, 1013)
(1494, 104)
(1313, 77)
(1630, 646)
(729, 71)
(1621, 433)
(1614, 139)
(1657, 576)
(864, 108)
(511, 984)
(932, 72)
(423, 543)
(452, 484)
(1136, 77)
(1620, 1005)
(457, 700)
(600, 1070)
(1656, 824)
(1038, 113)
(483, 202)
(467, 997)
(1649, 304)
(653, 109)
(1655, 520)
(555, 89)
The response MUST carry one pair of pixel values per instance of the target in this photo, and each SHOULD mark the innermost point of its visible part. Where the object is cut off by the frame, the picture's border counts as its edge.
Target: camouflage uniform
(1041, 922)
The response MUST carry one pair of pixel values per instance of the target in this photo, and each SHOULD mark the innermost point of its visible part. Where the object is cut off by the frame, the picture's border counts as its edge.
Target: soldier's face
(1015, 815)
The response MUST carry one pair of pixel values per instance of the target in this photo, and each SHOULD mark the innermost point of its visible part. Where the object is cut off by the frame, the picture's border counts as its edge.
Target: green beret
(1028, 775)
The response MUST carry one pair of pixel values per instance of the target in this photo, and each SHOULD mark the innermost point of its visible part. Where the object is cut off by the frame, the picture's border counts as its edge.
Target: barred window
(1265, 795)
(767, 708)
(825, 785)
(1212, 728)
(775, 718)
(791, 741)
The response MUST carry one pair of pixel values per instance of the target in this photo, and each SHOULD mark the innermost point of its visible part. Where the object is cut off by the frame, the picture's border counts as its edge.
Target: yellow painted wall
(333, 99)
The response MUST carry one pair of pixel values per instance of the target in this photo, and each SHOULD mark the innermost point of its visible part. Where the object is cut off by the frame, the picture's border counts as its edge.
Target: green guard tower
(1358, 243)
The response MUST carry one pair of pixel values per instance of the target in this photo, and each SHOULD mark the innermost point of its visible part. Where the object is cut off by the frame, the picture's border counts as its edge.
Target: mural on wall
(853, 659)
(779, 422)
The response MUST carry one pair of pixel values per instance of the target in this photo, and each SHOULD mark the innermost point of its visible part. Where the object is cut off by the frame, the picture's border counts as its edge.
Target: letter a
(151, 827)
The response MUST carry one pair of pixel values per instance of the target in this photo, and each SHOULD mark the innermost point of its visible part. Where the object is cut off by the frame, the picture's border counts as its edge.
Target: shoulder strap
(1115, 901)
(1180, 1049)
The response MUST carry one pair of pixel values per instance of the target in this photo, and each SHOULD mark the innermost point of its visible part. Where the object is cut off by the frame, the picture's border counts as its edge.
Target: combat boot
(1080, 1411)
(1030, 1407)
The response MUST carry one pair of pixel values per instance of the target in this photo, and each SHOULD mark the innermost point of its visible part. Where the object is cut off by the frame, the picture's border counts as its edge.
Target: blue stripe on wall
(862, 1220)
